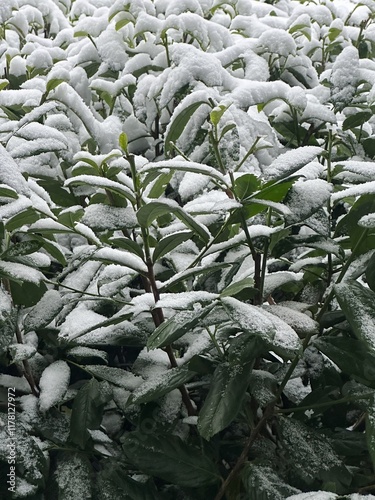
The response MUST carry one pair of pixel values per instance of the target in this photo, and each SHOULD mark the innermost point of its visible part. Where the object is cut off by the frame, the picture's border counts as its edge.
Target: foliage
(187, 248)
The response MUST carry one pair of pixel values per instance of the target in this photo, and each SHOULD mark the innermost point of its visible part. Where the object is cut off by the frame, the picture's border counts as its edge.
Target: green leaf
(87, 413)
(356, 120)
(168, 243)
(52, 248)
(309, 454)
(370, 273)
(113, 483)
(246, 185)
(78, 34)
(44, 311)
(369, 147)
(148, 213)
(275, 332)
(237, 287)
(28, 216)
(177, 326)
(217, 113)
(127, 244)
(120, 24)
(8, 192)
(261, 482)
(192, 273)
(160, 385)
(352, 356)
(73, 474)
(22, 248)
(123, 140)
(370, 430)
(358, 305)
(52, 84)
(116, 376)
(170, 459)
(160, 185)
(27, 294)
(224, 399)
(178, 125)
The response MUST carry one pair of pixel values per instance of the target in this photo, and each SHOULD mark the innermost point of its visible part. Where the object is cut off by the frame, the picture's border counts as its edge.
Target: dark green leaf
(227, 390)
(128, 244)
(178, 125)
(246, 185)
(44, 311)
(161, 385)
(27, 294)
(169, 458)
(262, 483)
(356, 120)
(358, 305)
(87, 413)
(237, 287)
(168, 243)
(351, 356)
(370, 273)
(148, 213)
(22, 248)
(177, 326)
(27, 216)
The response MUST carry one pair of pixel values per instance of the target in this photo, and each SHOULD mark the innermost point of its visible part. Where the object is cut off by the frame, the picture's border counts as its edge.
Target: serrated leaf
(224, 399)
(169, 458)
(178, 124)
(168, 243)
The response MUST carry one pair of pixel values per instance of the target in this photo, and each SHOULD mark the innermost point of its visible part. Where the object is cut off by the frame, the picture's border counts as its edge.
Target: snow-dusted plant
(187, 237)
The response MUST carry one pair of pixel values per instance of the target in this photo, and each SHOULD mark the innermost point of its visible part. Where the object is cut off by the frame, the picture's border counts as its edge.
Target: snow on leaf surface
(291, 161)
(53, 384)
(257, 321)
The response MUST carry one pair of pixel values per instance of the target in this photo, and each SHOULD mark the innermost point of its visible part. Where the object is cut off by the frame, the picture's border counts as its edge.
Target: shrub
(187, 249)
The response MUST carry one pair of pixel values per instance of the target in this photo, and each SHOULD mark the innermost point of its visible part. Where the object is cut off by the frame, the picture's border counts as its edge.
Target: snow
(21, 272)
(314, 495)
(102, 217)
(44, 311)
(291, 161)
(365, 188)
(20, 383)
(299, 321)
(259, 321)
(121, 257)
(117, 376)
(53, 384)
